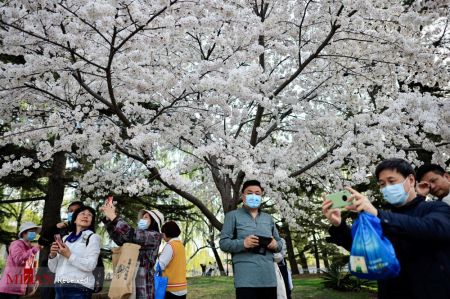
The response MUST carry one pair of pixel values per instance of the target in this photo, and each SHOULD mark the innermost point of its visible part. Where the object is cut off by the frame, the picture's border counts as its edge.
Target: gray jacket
(251, 270)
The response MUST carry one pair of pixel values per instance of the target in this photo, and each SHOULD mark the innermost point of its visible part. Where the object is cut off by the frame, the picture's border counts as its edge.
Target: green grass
(221, 287)
(304, 287)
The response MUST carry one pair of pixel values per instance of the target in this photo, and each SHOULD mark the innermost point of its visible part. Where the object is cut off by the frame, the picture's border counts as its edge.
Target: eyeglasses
(87, 214)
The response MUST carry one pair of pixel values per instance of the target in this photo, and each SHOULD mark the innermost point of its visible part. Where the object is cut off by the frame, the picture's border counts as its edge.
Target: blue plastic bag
(160, 283)
(372, 255)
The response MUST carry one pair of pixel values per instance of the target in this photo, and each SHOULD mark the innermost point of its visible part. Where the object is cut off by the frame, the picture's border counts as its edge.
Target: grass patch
(304, 287)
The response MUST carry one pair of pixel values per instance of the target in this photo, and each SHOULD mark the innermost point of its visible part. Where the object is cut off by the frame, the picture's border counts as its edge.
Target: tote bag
(160, 283)
(123, 282)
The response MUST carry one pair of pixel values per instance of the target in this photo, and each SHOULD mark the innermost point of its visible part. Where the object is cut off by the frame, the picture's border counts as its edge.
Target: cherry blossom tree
(205, 94)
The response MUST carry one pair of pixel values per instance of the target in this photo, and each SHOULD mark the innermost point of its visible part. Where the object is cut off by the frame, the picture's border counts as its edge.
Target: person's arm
(227, 242)
(47, 236)
(53, 258)
(166, 256)
(276, 246)
(433, 226)
(121, 232)
(87, 261)
(279, 256)
(20, 254)
(341, 235)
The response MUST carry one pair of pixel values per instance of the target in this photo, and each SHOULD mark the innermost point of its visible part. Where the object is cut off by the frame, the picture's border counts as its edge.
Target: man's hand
(273, 245)
(333, 215)
(423, 188)
(360, 203)
(251, 242)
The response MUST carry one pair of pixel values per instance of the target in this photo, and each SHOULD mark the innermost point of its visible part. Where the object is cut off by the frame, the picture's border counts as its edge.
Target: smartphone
(339, 199)
(58, 239)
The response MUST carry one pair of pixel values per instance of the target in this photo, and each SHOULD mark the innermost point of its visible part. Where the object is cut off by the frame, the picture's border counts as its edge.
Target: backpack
(99, 271)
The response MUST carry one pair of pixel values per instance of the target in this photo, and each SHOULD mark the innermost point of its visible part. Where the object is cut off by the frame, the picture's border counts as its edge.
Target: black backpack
(99, 271)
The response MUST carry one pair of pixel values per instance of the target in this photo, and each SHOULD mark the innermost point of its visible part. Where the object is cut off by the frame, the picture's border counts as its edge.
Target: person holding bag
(172, 261)
(147, 235)
(419, 231)
(14, 280)
(74, 258)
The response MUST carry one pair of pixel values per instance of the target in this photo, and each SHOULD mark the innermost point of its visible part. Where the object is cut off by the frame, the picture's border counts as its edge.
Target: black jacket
(420, 234)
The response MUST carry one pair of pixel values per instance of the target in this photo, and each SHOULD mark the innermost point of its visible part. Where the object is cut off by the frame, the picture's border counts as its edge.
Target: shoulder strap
(87, 241)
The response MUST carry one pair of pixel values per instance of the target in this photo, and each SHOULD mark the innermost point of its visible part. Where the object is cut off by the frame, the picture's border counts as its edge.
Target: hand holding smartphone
(58, 240)
(109, 201)
(339, 199)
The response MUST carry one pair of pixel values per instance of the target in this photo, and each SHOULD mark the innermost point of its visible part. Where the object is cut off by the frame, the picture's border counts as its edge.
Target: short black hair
(397, 164)
(171, 229)
(251, 183)
(79, 203)
(425, 168)
(73, 226)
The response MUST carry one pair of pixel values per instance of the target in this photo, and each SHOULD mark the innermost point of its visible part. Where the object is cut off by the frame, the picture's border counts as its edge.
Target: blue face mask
(143, 224)
(395, 194)
(69, 217)
(252, 201)
(31, 236)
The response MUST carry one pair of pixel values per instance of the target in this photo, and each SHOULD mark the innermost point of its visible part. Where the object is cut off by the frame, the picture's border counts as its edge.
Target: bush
(337, 277)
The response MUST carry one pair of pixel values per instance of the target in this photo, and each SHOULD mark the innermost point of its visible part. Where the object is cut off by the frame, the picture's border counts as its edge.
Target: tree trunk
(290, 249)
(55, 195)
(326, 263)
(316, 252)
(216, 254)
(304, 262)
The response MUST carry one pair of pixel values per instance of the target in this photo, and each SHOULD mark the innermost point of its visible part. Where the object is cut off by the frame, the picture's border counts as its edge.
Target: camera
(263, 243)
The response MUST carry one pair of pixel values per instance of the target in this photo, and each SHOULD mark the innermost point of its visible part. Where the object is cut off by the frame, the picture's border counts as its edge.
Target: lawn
(213, 287)
(304, 287)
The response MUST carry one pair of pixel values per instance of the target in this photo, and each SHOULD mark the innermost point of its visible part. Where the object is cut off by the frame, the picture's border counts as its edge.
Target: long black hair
(73, 226)
(153, 225)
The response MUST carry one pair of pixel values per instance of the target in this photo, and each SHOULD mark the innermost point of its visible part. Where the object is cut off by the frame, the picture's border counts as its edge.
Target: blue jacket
(420, 234)
(250, 270)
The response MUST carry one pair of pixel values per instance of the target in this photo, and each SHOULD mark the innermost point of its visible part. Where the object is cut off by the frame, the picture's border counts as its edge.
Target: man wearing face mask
(419, 230)
(251, 237)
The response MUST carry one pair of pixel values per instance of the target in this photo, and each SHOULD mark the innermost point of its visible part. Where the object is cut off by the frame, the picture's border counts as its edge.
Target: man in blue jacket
(251, 237)
(419, 231)
(434, 180)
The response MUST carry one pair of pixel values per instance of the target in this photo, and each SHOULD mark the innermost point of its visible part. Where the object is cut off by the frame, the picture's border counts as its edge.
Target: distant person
(172, 261)
(12, 285)
(280, 259)
(147, 234)
(419, 231)
(203, 266)
(74, 259)
(434, 180)
(251, 237)
(46, 288)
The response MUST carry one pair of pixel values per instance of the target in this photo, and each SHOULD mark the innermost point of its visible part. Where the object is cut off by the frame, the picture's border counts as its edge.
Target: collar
(247, 209)
(410, 205)
(72, 237)
(446, 199)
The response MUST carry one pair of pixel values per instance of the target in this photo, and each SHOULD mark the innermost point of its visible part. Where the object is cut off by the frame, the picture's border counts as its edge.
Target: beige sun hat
(155, 214)
(26, 226)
